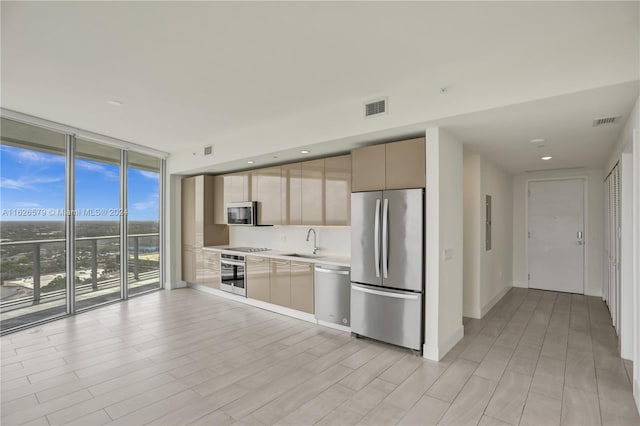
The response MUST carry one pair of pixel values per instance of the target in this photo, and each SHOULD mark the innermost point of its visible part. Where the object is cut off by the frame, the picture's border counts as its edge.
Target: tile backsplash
(332, 240)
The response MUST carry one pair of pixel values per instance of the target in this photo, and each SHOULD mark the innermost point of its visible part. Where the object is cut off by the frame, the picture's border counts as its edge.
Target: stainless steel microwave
(244, 213)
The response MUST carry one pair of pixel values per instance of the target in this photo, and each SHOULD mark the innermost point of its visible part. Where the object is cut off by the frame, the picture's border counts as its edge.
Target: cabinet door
(188, 264)
(368, 168)
(302, 286)
(258, 282)
(313, 192)
(280, 282)
(337, 177)
(405, 164)
(211, 275)
(219, 210)
(188, 211)
(291, 194)
(236, 187)
(267, 190)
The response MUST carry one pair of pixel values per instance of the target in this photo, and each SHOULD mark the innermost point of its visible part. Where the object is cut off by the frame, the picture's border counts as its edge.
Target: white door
(556, 235)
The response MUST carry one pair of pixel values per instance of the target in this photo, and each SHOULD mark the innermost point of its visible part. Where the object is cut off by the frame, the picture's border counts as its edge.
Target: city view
(33, 258)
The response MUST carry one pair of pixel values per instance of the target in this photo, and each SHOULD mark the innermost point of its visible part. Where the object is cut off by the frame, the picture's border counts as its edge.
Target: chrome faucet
(315, 246)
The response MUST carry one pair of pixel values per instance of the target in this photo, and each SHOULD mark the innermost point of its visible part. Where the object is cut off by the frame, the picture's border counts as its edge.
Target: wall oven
(233, 274)
(244, 213)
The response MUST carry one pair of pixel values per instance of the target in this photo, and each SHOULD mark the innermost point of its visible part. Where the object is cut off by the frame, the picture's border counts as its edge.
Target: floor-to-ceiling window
(68, 206)
(32, 224)
(143, 211)
(97, 224)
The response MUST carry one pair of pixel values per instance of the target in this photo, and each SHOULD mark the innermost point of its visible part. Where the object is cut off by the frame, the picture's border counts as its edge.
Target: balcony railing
(134, 267)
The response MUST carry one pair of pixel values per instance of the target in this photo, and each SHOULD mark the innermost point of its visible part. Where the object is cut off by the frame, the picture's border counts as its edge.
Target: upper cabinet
(313, 199)
(396, 165)
(316, 192)
(368, 168)
(237, 187)
(337, 178)
(266, 188)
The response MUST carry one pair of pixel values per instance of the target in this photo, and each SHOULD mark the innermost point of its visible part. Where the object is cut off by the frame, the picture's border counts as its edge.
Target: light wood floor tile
(548, 378)
(185, 357)
(580, 408)
(490, 421)
(292, 399)
(509, 397)
(403, 368)
(412, 389)
(541, 410)
(470, 405)
(383, 414)
(427, 411)
(361, 377)
(218, 418)
(524, 359)
(452, 380)
(318, 407)
(99, 417)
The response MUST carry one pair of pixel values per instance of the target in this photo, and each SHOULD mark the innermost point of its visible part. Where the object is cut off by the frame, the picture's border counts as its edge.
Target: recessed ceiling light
(304, 151)
(546, 158)
(250, 162)
(538, 140)
(115, 103)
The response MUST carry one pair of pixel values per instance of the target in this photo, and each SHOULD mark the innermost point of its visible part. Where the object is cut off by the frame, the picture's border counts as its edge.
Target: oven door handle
(231, 262)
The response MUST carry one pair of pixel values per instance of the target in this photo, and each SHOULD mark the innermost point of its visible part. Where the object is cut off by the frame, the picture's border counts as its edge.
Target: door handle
(385, 293)
(376, 237)
(331, 271)
(385, 238)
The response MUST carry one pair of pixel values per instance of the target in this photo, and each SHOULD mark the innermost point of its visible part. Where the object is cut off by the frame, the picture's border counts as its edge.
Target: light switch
(447, 254)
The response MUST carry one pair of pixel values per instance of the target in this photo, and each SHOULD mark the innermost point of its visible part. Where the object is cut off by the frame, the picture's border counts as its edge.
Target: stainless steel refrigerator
(387, 266)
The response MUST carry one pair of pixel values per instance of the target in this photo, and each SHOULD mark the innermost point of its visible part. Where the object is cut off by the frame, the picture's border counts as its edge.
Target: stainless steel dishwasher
(332, 291)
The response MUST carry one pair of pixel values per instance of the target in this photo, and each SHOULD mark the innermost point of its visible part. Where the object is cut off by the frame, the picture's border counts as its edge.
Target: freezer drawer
(331, 294)
(391, 316)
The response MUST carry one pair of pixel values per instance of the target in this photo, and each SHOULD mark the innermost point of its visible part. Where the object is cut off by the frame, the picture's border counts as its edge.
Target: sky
(32, 187)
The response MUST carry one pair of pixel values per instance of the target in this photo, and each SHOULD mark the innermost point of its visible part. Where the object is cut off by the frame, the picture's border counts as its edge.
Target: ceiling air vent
(208, 150)
(605, 121)
(377, 107)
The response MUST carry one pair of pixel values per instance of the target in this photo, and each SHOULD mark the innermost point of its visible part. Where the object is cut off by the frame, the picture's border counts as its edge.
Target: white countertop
(281, 254)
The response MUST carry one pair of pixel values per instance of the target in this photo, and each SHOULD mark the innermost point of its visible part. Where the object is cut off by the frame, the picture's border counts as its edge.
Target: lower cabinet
(212, 276)
(281, 282)
(188, 264)
(257, 276)
(302, 286)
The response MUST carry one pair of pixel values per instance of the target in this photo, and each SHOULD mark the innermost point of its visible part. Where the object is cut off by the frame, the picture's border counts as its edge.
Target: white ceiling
(258, 78)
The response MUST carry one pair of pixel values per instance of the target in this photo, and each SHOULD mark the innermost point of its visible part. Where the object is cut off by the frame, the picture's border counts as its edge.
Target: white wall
(444, 245)
(623, 154)
(332, 240)
(487, 274)
(471, 236)
(594, 225)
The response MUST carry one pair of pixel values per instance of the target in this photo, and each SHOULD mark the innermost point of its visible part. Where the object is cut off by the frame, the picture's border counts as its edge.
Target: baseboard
(258, 304)
(595, 293)
(520, 284)
(487, 307)
(434, 353)
(636, 394)
(334, 326)
(471, 312)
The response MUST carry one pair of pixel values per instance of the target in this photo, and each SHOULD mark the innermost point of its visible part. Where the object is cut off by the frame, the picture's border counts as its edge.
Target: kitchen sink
(304, 255)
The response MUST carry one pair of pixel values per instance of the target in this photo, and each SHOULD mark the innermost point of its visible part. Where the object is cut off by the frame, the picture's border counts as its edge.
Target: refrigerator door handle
(385, 238)
(384, 293)
(376, 237)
